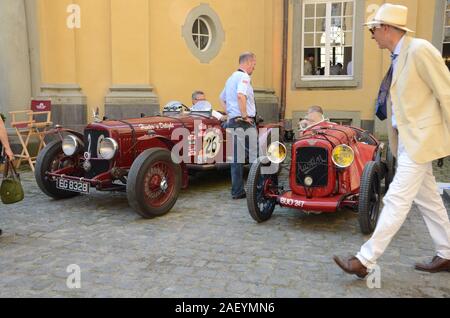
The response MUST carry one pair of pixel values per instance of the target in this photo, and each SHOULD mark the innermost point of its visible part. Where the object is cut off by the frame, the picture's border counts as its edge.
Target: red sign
(41, 105)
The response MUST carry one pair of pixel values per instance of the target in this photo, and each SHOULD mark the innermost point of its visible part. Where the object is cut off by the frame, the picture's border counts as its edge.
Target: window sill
(326, 83)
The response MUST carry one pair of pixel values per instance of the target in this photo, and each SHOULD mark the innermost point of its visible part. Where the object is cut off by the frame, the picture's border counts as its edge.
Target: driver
(198, 99)
(315, 115)
(200, 103)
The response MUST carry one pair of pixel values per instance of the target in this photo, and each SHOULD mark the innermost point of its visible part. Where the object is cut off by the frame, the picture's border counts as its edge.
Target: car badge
(87, 155)
(87, 166)
(312, 142)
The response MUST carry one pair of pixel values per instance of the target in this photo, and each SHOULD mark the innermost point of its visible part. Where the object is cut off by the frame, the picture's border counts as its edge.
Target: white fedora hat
(391, 14)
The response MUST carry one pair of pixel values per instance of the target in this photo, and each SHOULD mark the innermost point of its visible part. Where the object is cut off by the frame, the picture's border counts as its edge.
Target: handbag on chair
(11, 190)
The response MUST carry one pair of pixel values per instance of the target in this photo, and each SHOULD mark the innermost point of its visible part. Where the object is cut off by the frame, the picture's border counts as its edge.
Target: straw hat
(390, 14)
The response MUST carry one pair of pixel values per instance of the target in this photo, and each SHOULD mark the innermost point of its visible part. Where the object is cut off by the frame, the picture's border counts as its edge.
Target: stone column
(130, 93)
(15, 80)
(68, 105)
(267, 104)
(59, 65)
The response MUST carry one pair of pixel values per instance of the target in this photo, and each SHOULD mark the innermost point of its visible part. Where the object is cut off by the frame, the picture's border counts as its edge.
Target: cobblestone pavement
(202, 248)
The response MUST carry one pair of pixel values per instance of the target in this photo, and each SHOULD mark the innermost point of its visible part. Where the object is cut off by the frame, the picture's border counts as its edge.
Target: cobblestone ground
(207, 246)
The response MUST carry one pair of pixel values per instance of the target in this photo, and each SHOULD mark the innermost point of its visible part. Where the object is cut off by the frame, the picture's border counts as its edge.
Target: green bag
(11, 190)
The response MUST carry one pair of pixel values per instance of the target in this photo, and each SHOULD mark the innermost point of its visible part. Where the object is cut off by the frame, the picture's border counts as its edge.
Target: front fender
(58, 131)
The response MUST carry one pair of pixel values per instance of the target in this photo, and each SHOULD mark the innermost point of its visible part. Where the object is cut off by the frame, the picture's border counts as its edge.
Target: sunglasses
(372, 29)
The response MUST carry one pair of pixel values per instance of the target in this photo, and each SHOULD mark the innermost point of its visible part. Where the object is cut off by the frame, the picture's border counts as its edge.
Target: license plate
(72, 185)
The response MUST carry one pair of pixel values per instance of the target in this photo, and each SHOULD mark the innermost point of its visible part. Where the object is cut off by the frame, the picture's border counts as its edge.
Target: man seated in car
(200, 103)
(198, 99)
(314, 116)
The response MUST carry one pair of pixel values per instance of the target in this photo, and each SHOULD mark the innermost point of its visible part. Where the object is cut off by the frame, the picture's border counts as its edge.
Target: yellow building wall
(140, 42)
(176, 73)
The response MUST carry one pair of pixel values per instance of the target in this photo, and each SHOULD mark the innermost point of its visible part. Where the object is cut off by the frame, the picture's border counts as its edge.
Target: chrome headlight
(276, 152)
(343, 156)
(70, 145)
(108, 148)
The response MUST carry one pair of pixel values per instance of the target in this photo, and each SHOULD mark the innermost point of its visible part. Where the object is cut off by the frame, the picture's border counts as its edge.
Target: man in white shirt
(238, 99)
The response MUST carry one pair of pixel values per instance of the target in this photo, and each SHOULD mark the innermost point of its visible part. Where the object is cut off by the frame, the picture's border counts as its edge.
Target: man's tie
(383, 95)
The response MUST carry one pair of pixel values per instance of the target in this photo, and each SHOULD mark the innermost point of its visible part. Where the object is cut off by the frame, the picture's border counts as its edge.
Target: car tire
(369, 197)
(44, 161)
(260, 207)
(154, 182)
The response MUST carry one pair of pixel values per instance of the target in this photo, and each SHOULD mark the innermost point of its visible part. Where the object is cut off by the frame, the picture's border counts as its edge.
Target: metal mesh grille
(312, 162)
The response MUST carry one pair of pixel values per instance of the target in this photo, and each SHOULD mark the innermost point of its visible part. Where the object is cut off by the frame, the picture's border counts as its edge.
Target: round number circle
(211, 144)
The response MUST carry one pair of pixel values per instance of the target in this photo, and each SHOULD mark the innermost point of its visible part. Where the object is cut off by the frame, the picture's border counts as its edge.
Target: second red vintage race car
(137, 156)
(332, 167)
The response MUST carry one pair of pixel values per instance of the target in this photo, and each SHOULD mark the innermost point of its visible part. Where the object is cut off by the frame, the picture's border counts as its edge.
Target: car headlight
(108, 148)
(276, 152)
(343, 156)
(70, 145)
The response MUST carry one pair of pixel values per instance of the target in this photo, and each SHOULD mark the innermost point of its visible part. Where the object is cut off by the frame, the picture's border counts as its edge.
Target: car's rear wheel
(154, 182)
(50, 159)
(369, 197)
(259, 185)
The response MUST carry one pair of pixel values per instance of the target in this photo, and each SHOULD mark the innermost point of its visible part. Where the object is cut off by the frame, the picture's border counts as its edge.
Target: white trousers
(412, 183)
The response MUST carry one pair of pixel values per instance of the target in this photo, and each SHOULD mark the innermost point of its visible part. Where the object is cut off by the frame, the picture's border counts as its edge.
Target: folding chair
(33, 123)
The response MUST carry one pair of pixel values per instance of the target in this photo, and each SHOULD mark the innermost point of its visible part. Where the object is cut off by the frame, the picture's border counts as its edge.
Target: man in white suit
(415, 98)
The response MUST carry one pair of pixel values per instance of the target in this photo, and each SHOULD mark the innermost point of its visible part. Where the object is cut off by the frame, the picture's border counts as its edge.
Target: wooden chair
(31, 123)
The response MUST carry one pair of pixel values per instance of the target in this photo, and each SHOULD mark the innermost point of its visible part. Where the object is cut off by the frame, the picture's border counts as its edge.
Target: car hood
(160, 124)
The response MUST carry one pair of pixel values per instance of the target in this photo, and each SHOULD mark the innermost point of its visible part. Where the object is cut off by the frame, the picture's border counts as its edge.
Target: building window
(328, 43)
(327, 38)
(446, 48)
(203, 33)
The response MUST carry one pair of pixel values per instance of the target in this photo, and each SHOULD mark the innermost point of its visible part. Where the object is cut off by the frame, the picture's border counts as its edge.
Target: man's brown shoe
(352, 265)
(437, 265)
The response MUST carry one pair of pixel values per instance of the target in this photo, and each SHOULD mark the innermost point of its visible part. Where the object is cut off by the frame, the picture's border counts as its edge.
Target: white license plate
(72, 185)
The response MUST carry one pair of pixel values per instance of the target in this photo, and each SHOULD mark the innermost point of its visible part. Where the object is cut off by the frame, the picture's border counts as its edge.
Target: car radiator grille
(91, 141)
(312, 162)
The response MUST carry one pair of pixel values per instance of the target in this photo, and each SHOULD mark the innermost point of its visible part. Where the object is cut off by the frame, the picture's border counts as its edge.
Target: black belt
(242, 118)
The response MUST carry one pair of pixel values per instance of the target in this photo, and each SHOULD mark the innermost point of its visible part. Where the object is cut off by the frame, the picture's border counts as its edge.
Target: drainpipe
(284, 60)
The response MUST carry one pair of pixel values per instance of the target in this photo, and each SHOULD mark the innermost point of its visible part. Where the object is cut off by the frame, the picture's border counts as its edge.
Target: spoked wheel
(369, 197)
(260, 187)
(154, 182)
(50, 159)
(390, 169)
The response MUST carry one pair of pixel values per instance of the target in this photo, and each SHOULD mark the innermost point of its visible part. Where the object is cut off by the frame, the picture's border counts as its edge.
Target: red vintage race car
(135, 155)
(332, 167)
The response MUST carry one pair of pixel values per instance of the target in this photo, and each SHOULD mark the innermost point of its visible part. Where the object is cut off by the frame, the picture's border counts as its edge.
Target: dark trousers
(241, 145)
